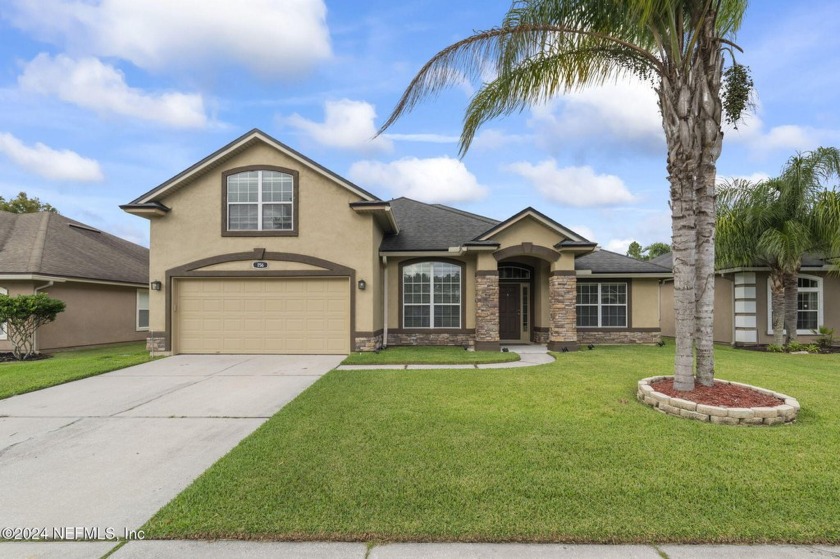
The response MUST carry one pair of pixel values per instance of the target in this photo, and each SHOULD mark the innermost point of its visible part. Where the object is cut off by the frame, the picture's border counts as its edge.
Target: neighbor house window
(602, 305)
(142, 309)
(3, 335)
(431, 295)
(809, 313)
(260, 201)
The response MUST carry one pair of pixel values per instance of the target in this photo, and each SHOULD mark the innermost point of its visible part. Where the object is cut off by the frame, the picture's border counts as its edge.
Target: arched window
(514, 272)
(431, 295)
(260, 200)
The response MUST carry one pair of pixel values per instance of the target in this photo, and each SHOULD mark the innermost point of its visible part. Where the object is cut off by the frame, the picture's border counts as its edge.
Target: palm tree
(774, 223)
(548, 47)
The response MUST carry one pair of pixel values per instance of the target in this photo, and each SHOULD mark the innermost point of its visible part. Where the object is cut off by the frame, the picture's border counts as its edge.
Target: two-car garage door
(279, 315)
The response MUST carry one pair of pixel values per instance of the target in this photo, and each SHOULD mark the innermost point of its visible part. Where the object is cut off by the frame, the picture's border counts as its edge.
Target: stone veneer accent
(431, 338)
(562, 298)
(487, 310)
(368, 343)
(540, 335)
(616, 337)
(783, 413)
(156, 343)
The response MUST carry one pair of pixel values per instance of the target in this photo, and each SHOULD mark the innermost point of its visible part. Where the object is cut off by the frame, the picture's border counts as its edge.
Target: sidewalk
(529, 355)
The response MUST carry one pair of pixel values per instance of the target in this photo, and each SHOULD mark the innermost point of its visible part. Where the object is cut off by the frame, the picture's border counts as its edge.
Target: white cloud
(424, 137)
(347, 124)
(618, 245)
(573, 186)
(624, 115)
(761, 141)
(491, 138)
(585, 231)
(437, 179)
(50, 163)
(272, 38)
(91, 84)
(751, 178)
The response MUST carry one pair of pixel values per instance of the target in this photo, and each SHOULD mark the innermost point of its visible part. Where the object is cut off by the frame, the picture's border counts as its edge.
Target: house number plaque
(260, 265)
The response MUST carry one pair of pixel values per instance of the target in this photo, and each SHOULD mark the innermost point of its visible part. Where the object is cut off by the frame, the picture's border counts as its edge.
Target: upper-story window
(261, 201)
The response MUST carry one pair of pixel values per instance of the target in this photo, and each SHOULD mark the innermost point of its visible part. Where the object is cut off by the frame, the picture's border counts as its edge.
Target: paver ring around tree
(735, 404)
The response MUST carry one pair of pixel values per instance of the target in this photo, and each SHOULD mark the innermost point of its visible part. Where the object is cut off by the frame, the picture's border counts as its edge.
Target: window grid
(260, 201)
(525, 308)
(808, 309)
(432, 295)
(601, 305)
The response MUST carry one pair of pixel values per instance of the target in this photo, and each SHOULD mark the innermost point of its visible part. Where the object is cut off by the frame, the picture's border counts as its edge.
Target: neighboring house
(103, 280)
(742, 302)
(258, 249)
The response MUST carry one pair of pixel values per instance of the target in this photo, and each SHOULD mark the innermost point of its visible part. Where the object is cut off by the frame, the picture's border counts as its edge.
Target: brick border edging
(783, 413)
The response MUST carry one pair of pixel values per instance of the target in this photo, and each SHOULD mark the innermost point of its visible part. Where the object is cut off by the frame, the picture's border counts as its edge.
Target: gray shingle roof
(607, 262)
(51, 244)
(432, 226)
(665, 260)
(808, 261)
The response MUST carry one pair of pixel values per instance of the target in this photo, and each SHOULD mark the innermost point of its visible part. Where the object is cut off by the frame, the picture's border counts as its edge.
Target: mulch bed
(725, 395)
(763, 347)
(9, 356)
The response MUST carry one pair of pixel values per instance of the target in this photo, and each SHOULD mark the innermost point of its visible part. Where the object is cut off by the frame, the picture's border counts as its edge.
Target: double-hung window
(260, 200)
(809, 312)
(602, 305)
(142, 309)
(431, 295)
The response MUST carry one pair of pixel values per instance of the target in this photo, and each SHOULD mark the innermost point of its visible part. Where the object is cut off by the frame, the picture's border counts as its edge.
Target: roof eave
(148, 210)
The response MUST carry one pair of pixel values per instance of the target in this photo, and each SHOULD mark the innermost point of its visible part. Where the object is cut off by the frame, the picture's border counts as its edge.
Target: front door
(510, 311)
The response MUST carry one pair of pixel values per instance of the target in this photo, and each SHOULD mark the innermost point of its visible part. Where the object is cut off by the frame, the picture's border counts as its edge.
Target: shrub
(775, 348)
(796, 346)
(23, 315)
(825, 336)
(812, 348)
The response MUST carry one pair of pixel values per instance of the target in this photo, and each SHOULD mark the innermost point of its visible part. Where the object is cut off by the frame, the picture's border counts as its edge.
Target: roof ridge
(464, 213)
(634, 259)
(37, 256)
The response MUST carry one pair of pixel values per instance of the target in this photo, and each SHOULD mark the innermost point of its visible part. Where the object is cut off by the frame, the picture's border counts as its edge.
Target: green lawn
(64, 366)
(560, 452)
(429, 355)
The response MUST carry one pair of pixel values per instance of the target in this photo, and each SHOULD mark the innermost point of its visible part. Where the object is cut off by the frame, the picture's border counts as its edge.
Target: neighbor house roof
(432, 227)
(48, 244)
(607, 262)
(808, 261)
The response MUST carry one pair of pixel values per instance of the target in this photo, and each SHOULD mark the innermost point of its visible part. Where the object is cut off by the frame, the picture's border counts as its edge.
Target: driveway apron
(105, 453)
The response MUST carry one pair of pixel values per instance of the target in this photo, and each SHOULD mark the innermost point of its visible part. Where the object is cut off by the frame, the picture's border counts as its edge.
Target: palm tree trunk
(678, 111)
(791, 284)
(708, 70)
(777, 302)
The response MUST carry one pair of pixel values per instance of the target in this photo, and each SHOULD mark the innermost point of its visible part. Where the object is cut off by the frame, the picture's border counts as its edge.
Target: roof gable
(432, 227)
(539, 217)
(237, 146)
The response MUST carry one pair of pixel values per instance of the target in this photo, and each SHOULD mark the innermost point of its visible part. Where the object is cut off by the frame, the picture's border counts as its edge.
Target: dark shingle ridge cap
(230, 145)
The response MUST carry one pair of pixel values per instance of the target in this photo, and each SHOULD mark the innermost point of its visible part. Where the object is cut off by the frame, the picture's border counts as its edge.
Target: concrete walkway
(107, 452)
(329, 550)
(529, 355)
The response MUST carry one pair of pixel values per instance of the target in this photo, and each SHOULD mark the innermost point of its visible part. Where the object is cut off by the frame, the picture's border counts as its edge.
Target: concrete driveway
(109, 451)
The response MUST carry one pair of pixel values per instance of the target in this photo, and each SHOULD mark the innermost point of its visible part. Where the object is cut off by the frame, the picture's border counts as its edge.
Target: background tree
(649, 252)
(25, 205)
(774, 223)
(23, 315)
(548, 47)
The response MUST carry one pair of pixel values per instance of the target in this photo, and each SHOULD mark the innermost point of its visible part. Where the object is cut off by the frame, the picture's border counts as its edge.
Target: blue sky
(101, 100)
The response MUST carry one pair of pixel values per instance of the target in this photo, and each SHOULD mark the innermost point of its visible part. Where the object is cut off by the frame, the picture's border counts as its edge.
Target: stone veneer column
(487, 310)
(562, 298)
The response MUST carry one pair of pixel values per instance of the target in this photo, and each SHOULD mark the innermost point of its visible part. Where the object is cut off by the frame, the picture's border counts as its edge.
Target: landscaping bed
(8, 356)
(553, 453)
(429, 355)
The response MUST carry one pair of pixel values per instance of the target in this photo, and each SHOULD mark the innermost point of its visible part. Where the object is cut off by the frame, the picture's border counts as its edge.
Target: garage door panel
(283, 315)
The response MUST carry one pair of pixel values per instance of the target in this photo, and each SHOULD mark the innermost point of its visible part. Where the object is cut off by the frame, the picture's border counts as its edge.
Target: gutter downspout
(385, 304)
(37, 289)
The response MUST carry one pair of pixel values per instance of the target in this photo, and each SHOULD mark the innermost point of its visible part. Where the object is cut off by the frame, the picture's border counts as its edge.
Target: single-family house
(742, 302)
(102, 279)
(258, 249)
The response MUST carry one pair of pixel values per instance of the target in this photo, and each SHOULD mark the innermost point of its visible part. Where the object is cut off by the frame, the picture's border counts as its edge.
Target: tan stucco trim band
(43, 277)
(487, 272)
(563, 273)
(527, 249)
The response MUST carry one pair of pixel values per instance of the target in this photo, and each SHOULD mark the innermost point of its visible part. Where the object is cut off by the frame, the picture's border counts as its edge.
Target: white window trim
(3, 334)
(137, 310)
(820, 304)
(460, 304)
(259, 203)
(600, 304)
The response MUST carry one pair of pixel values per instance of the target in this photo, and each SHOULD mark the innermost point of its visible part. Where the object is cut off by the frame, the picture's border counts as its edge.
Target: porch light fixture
(155, 285)
(362, 285)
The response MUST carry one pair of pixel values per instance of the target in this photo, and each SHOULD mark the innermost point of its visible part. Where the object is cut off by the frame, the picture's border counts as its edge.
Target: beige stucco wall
(328, 229)
(527, 230)
(722, 328)
(94, 314)
(644, 296)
